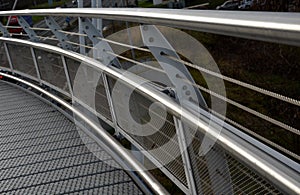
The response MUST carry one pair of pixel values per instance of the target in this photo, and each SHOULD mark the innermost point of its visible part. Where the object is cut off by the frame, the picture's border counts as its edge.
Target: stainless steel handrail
(270, 168)
(265, 26)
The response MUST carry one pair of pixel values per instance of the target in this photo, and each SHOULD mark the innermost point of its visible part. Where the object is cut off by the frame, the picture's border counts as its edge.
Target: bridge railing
(160, 110)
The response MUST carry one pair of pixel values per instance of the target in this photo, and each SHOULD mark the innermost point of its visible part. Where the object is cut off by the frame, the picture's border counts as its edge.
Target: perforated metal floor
(41, 152)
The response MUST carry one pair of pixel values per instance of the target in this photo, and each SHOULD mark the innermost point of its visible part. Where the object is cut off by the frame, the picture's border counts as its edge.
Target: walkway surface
(41, 151)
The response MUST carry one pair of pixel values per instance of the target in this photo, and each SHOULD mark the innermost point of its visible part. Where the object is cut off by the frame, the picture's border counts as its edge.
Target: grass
(145, 4)
(270, 66)
(46, 5)
(55, 4)
(36, 19)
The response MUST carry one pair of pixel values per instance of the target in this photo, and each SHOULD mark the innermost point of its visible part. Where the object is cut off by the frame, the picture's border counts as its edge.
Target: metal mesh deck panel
(42, 152)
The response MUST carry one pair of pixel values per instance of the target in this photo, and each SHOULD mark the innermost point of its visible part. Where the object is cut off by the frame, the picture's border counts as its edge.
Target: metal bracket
(31, 34)
(159, 45)
(101, 48)
(8, 57)
(55, 28)
(36, 65)
(63, 59)
(4, 31)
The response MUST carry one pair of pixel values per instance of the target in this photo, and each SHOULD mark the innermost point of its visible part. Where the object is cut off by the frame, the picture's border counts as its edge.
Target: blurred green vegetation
(46, 5)
(55, 4)
(275, 67)
(36, 19)
(145, 3)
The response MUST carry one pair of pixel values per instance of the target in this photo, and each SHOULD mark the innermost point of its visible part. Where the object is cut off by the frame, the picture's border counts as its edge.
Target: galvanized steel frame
(55, 28)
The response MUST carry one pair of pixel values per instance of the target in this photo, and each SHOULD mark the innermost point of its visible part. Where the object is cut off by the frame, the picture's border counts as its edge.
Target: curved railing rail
(266, 26)
(238, 163)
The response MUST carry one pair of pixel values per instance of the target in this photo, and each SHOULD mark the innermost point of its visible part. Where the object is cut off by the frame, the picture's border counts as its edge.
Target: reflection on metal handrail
(275, 27)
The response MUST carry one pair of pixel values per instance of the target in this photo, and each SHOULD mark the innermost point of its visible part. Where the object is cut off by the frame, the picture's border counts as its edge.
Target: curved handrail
(265, 26)
(270, 167)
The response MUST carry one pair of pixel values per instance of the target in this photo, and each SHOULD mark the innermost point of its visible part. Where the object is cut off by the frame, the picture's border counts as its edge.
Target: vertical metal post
(99, 21)
(130, 40)
(94, 5)
(185, 156)
(67, 74)
(110, 103)
(36, 65)
(80, 27)
(94, 23)
(8, 58)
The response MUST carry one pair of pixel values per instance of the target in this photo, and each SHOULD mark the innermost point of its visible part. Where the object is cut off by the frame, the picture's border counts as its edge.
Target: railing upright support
(8, 58)
(67, 74)
(36, 65)
(188, 169)
(80, 28)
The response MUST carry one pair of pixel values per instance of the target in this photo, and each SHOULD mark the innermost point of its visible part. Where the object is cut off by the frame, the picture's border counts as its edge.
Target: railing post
(63, 59)
(36, 65)
(110, 103)
(8, 57)
(80, 28)
(185, 156)
(99, 21)
(94, 5)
